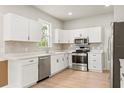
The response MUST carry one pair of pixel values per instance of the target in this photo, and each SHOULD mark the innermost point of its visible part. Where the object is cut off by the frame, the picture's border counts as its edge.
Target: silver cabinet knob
(57, 61)
(31, 61)
(122, 74)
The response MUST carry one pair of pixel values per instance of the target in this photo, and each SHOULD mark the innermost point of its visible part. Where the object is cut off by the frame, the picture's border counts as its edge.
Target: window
(46, 35)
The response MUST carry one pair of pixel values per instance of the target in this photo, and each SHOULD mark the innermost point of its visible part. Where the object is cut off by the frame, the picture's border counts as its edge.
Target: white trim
(50, 30)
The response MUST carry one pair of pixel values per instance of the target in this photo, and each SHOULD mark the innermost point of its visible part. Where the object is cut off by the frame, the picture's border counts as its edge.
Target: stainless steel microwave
(81, 41)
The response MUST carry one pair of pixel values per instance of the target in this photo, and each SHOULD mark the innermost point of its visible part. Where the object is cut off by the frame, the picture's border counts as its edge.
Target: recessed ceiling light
(69, 13)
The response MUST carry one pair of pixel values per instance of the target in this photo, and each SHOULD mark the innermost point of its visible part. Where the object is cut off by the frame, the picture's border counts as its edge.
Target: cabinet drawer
(94, 57)
(94, 64)
(29, 61)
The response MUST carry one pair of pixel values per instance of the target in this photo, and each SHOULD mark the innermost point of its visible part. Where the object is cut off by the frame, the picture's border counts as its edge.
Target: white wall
(119, 13)
(0, 34)
(99, 20)
(29, 12)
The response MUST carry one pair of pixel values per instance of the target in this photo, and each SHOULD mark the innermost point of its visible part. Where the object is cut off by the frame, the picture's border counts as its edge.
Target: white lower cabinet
(122, 73)
(29, 73)
(59, 62)
(95, 62)
(23, 73)
(66, 60)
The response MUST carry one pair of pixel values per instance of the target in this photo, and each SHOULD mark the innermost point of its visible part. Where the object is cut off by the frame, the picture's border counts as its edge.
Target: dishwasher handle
(43, 58)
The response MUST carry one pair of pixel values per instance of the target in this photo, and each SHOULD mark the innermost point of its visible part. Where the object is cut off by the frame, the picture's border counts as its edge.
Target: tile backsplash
(24, 47)
(20, 47)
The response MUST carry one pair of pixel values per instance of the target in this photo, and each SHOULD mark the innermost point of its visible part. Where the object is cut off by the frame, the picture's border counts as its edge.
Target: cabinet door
(66, 61)
(94, 35)
(62, 36)
(34, 31)
(29, 74)
(70, 60)
(54, 63)
(3, 73)
(63, 61)
(65, 36)
(94, 64)
(60, 63)
(76, 33)
(56, 36)
(16, 28)
(71, 37)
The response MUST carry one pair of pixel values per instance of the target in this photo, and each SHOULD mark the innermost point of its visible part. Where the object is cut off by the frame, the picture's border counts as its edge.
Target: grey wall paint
(104, 20)
(99, 20)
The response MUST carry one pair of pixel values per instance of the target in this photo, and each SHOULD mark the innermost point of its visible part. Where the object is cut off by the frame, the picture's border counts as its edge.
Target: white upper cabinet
(34, 31)
(63, 36)
(67, 36)
(15, 27)
(18, 28)
(56, 36)
(79, 33)
(95, 34)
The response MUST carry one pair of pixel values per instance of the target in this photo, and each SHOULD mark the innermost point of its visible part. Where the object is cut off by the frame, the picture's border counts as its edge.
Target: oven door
(80, 58)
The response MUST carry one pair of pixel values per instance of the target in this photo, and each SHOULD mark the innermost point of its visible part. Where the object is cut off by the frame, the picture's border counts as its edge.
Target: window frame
(50, 31)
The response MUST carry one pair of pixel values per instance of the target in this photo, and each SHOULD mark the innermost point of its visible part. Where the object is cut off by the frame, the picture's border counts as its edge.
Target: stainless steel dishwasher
(43, 67)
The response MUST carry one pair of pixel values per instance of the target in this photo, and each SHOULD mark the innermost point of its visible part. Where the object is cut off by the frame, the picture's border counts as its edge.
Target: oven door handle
(79, 54)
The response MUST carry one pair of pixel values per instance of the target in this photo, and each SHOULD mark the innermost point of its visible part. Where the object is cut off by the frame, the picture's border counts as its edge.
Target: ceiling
(78, 11)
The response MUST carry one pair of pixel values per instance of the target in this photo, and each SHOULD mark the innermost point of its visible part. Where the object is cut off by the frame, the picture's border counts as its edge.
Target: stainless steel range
(80, 61)
(80, 57)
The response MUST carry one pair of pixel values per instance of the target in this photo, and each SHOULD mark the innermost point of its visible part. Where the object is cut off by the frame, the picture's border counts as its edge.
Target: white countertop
(96, 51)
(30, 55)
(2, 59)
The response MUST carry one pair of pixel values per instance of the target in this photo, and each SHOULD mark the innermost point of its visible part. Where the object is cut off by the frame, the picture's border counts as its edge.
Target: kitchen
(41, 45)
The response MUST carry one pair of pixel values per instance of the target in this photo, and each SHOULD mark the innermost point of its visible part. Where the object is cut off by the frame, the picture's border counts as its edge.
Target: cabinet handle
(123, 74)
(94, 55)
(94, 66)
(31, 61)
(28, 38)
(57, 61)
(80, 35)
(94, 60)
(44, 58)
(63, 59)
(120, 79)
(67, 58)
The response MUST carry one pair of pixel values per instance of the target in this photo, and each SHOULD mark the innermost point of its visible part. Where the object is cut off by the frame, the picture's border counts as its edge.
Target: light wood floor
(75, 79)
